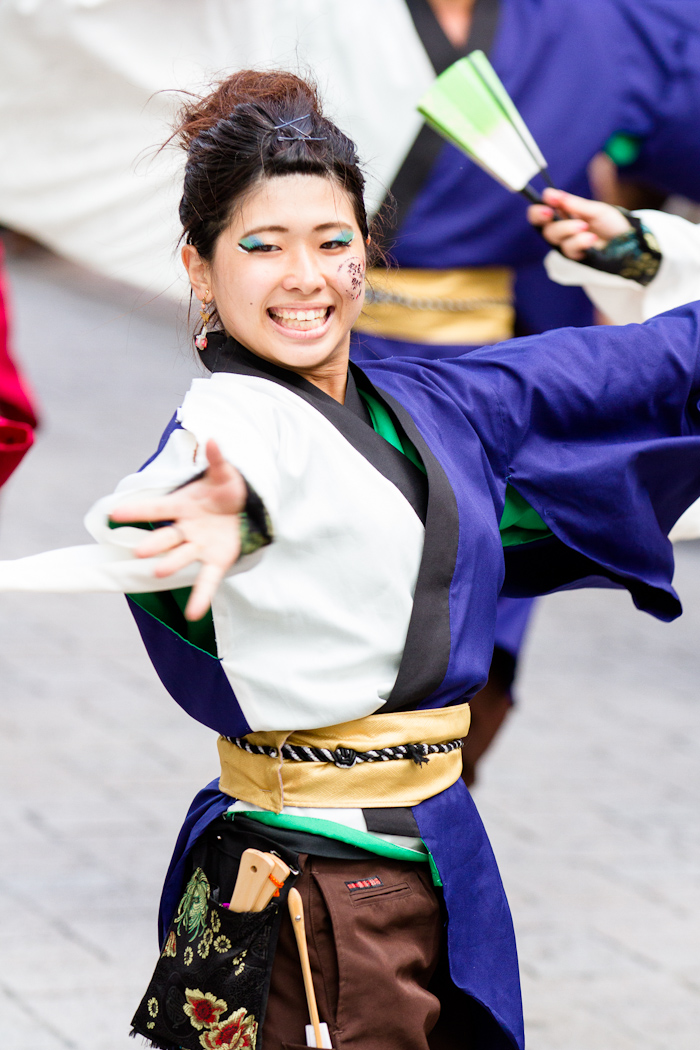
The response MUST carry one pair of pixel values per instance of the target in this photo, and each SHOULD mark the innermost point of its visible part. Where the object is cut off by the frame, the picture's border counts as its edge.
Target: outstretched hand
(589, 224)
(205, 528)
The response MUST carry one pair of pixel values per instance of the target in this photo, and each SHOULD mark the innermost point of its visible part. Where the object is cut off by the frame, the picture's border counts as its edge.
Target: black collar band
(226, 354)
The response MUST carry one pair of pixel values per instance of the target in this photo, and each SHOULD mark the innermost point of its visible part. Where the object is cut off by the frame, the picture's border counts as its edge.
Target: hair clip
(278, 127)
(301, 136)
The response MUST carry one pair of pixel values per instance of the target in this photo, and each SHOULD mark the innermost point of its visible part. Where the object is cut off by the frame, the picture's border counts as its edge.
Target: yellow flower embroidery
(187, 956)
(153, 1007)
(215, 922)
(222, 944)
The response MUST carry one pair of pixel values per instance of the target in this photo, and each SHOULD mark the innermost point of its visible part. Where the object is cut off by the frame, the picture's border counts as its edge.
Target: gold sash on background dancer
(273, 781)
(471, 306)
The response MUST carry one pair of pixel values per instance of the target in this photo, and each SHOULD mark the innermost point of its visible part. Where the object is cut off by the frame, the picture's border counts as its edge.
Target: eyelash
(338, 243)
(257, 248)
(332, 245)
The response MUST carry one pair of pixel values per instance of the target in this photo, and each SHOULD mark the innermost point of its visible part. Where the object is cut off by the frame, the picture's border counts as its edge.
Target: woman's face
(287, 274)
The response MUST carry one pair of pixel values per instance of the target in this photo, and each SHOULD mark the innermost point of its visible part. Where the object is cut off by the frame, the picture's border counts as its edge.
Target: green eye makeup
(249, 244)
(346, 237)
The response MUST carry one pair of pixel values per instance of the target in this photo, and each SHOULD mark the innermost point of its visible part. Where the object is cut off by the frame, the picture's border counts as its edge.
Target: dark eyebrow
(283, 229)
(266, 229)
(330, 226)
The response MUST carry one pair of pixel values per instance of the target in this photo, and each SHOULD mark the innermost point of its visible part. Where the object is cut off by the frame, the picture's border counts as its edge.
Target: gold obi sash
(471, 306)
(274, 782)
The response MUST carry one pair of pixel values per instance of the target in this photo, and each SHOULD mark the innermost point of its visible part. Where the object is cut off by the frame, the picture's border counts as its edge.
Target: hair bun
(274, 91)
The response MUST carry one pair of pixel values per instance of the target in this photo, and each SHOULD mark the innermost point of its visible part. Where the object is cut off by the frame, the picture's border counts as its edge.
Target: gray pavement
(591, 796)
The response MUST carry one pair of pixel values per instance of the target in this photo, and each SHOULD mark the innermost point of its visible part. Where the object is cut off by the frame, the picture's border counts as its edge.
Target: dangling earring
(200, 341)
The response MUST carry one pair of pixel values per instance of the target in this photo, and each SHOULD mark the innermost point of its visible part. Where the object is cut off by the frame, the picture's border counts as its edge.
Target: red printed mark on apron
(364, 884)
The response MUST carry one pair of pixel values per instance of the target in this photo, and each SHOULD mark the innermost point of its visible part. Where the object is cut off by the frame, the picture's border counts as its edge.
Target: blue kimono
(596, 429)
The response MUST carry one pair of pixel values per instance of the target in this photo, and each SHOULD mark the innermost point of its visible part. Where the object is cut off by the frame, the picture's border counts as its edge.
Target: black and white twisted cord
(345, 757)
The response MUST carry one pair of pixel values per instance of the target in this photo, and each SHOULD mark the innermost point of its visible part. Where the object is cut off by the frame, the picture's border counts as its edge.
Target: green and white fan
(469, 106)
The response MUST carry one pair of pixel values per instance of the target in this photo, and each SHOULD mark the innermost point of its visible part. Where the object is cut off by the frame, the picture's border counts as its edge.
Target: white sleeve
(110, 564)
(627, 302)
(688, 525)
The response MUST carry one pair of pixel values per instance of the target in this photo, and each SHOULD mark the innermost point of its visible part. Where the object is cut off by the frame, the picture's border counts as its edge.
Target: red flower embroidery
(238, 1032)
(203, 1009)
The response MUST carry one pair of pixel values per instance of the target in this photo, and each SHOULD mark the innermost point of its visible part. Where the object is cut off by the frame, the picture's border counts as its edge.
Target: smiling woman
(349, 529)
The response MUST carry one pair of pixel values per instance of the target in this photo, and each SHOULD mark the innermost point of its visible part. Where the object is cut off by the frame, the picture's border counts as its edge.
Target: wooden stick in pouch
(275, 882)
(253, 875)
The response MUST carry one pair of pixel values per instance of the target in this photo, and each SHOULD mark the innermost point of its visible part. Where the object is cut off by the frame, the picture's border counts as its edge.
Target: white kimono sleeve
(110, 564)
(625, 301)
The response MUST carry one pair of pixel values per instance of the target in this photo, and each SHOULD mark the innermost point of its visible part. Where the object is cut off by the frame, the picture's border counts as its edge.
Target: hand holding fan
(469, 106)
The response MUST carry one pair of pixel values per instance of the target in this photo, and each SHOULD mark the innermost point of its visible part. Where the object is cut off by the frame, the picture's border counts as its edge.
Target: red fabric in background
(17, 416)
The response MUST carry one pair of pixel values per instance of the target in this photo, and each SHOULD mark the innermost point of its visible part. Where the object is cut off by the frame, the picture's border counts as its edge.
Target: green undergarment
(520, 523)
(329, 829)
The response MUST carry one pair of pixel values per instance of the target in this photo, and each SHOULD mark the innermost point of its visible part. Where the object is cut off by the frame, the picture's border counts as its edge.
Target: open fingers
(176, 559)
(160, 540)
(576, 247)
(162, 508)
(224, 473)
(220, 471)
(206, 584)
(214, 454)
(604, 219)
(539, 215)
(558, 232)
(571, 205)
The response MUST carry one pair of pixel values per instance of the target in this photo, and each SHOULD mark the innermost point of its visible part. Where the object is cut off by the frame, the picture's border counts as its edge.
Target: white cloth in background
(86, 99)
(627, 302)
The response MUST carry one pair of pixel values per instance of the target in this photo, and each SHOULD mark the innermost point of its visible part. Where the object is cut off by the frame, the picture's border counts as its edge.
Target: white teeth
(299, 315)
(302, 320)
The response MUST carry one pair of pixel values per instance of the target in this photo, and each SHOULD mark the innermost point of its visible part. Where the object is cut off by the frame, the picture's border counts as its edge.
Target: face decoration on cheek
(351, 273)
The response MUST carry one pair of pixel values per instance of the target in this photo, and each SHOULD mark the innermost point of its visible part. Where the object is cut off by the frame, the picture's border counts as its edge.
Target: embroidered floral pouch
(210, 985)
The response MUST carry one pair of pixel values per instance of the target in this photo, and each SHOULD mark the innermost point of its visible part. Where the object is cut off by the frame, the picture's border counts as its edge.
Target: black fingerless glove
(634, 255)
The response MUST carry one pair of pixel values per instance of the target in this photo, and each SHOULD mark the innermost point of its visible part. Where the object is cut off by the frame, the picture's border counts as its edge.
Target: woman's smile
(301, 322)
